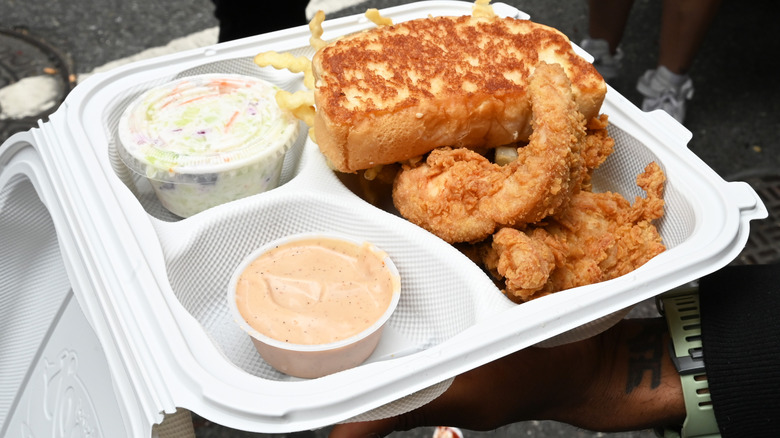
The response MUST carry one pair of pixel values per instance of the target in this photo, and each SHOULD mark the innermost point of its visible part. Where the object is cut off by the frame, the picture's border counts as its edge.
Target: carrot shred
(230, 122)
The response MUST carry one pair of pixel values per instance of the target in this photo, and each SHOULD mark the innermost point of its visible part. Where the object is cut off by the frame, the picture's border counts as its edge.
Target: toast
(395, 92)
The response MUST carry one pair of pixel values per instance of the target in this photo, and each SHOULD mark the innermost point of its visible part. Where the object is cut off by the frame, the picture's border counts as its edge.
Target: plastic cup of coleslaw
(205, 140)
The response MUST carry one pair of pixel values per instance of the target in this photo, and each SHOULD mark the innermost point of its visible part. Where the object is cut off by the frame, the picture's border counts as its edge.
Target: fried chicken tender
(599, 236)
(461, 196)
(598, 145)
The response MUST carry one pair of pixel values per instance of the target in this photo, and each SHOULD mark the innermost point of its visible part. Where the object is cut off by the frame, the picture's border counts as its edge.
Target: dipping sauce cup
(314, 304)
(205, 140)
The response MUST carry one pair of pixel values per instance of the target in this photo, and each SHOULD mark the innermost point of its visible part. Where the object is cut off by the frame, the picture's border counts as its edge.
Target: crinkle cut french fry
(371, 173)
(300, 103)
(315, 26)
(505, 155)
(482, 8)
(281, 61)
(374, 15)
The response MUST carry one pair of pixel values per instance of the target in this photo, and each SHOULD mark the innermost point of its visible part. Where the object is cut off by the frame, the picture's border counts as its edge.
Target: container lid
(204, 124)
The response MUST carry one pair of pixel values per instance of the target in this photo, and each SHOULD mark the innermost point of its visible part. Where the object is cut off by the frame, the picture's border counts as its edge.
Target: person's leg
(239, 19)
(607, 20)
(683, 26)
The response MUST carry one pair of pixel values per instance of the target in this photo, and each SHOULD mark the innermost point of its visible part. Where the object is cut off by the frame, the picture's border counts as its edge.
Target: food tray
(153, 286)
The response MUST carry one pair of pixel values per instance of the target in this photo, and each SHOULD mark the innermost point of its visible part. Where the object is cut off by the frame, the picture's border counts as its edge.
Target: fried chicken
(461, 196)
(597, 237)
(598, 145)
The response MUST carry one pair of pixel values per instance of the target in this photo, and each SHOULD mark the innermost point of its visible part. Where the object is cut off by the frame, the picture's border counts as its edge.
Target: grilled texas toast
(395, 92)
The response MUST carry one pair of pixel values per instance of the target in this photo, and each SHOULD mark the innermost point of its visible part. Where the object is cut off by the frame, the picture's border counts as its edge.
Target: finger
(364, 429)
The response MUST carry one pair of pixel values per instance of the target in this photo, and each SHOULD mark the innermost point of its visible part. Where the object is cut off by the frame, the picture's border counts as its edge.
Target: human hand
(597, 384)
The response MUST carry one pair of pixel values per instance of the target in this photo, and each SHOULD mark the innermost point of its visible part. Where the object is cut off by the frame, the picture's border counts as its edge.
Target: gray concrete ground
(734, 116)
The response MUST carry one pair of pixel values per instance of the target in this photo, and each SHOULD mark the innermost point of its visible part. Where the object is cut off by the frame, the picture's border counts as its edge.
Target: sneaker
(605, 62)
(665, 90)
(447, 432)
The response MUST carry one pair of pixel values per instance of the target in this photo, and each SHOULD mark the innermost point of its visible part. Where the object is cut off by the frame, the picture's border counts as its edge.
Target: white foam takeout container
(129, 300)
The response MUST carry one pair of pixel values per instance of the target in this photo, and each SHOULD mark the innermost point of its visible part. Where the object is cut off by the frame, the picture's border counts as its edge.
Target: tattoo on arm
(646, 351)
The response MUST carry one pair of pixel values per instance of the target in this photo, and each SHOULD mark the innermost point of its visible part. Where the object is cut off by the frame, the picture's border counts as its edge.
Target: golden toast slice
(395, 92)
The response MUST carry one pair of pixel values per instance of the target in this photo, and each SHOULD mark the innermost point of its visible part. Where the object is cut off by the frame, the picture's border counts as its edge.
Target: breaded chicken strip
(461, 196)
(599, 236)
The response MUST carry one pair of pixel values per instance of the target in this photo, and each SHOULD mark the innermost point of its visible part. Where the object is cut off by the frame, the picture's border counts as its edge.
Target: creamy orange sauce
(315, 291)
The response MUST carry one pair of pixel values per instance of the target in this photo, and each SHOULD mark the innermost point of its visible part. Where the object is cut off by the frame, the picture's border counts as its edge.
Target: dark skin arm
(622, 379)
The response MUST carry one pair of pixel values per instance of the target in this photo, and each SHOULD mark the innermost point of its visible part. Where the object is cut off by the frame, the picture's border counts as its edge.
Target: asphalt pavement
(734, 115)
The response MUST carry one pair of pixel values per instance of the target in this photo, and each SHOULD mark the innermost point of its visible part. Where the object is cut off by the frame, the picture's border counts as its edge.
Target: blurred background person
(244, 18)
(684, 24)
